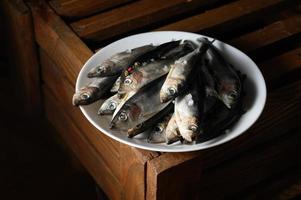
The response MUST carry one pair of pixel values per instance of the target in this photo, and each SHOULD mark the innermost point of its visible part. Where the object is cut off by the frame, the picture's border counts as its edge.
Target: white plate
(254, 86)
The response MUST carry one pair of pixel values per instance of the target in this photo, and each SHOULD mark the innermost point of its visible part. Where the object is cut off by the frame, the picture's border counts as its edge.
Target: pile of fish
(177, 91)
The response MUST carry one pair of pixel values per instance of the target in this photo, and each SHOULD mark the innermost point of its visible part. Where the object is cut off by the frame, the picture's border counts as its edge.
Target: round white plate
(254, 86)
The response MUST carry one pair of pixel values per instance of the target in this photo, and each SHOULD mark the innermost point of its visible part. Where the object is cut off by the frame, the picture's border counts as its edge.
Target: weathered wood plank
(225, 17)
(20, 43)
(133, 172)
(107, 148)
(270, 34)
(81, 147)
(133, 16)
(80, 8)
(59, 42)
(269, 126)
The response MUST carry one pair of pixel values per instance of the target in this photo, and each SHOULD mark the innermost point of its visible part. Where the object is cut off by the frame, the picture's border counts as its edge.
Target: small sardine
(118, 62)
(180, 72)
(188, 108)
(158, 133)
(138, 107)
(172, 131)
(150, 122)
(228, 84)
(108, 106)
(94, 91)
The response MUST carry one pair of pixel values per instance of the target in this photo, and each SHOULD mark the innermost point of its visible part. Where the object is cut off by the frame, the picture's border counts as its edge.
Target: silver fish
(187, 113)
(94, 91)
(228, 84)
(172, 131)
(118, 62)
(158, 133)
(144, 74)
(108, 106)
(151, 122)
(138, 107)
(180, 72)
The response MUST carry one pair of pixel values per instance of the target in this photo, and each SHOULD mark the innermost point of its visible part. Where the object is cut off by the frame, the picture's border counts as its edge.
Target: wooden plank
(223, 18)
(132, 16)
(23, 58)
(81, 147)
(107, 148)
(133, 173)
(59, 42)
(269, 126)
(270, 34)
(254, 166)
(79, 8)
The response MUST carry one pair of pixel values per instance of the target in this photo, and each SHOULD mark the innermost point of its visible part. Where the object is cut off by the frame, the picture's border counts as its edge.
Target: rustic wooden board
(80, 8)
(270, 34)
(132, 16)
(81, 147)
(19, 31)
(107, 148)
(224, 18)
(59, 42)
(270, 126)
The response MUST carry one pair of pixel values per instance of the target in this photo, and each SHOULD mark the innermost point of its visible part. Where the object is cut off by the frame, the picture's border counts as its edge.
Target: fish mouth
(91, 75)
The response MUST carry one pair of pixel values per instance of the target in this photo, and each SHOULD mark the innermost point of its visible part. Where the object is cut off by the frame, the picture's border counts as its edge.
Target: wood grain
(80, 146)
(270, 34)
(226, 17)
(80, 8)
(107, 148)
(270, 126)
(59, 42)
(132, 16)
(21, 45)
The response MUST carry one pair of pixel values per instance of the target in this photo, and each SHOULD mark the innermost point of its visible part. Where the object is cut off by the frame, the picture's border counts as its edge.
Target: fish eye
(158, 129)
(85, 96)
(172, 90)
(127, 81)
(233, 95)
(193, 128)
(112, 106)
(123, 116)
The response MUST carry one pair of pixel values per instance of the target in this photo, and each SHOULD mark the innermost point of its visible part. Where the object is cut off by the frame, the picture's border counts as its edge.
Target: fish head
(229, 93)
(108, 107)
(168, 92)
(190, 133)
(85, 96)
(157, 135)
(127, 117)
(130, 82)
(102, 70)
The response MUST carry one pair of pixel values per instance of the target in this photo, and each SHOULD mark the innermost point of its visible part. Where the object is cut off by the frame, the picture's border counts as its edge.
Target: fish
(180, 73)
(138, 107)
(151, 122)
(228, 84)
(158, 133)
(188, 110)
(145, 74)
(116, 85)
(118, 62)
(172, 134)
(108, 106)
(94, 91)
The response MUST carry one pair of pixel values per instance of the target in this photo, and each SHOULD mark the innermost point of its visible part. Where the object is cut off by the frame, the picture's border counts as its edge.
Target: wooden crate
(68, 32)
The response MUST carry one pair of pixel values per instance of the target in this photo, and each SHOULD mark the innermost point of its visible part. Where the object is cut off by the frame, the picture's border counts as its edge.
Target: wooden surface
(268, 31)
(20, 42)
(80, 8)
(132, 16)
